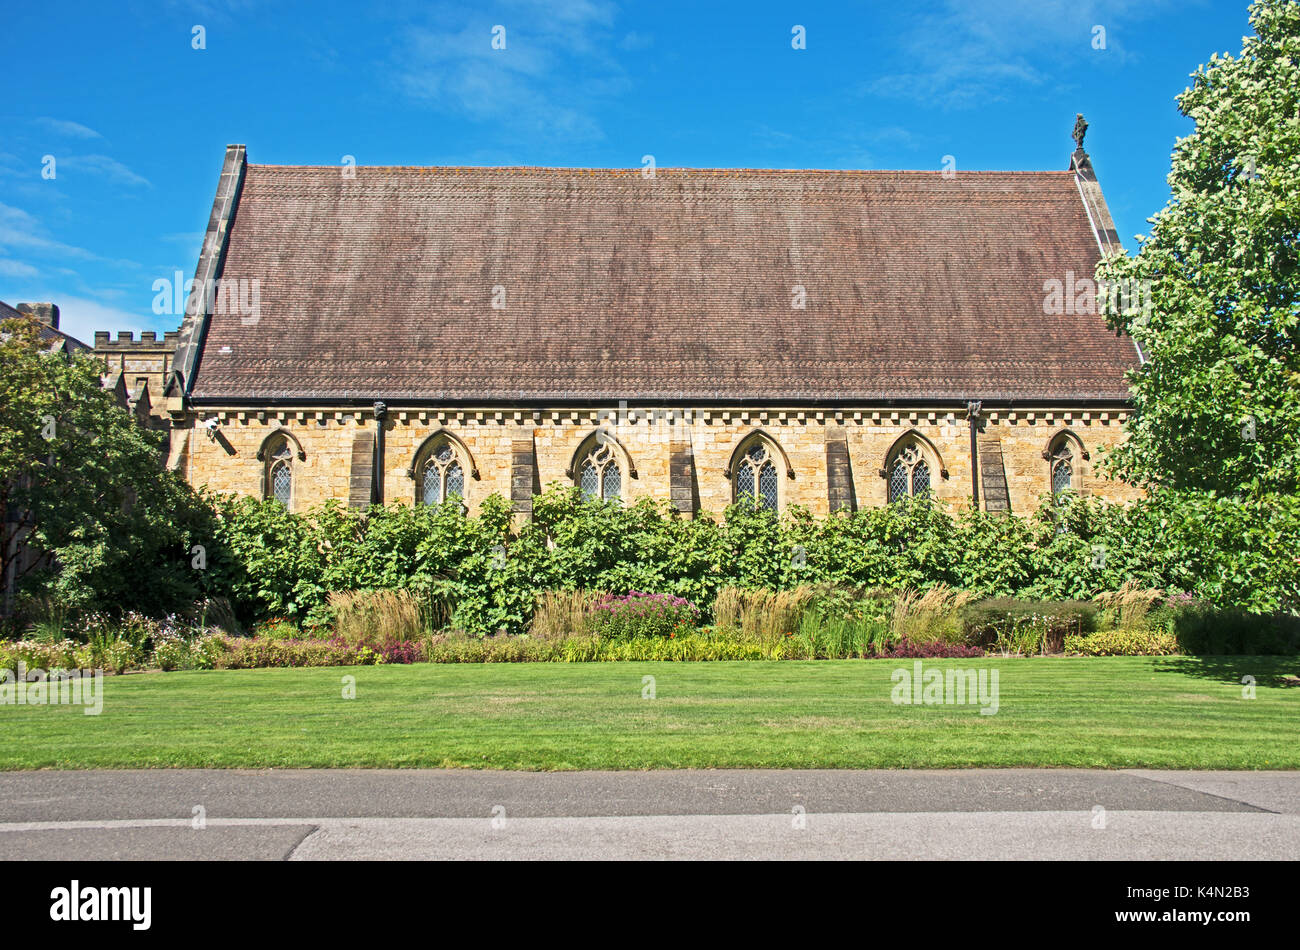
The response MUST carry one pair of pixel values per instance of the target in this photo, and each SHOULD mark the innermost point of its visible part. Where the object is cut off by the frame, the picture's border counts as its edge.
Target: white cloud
(974, 51)
(16, 269)
(68, 129)
(19, 230)
(636, 41)
(558, 62)
(81, 317)
(102, 165)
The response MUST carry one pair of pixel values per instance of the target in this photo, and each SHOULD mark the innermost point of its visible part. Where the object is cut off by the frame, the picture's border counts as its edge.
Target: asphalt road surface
(981, 814)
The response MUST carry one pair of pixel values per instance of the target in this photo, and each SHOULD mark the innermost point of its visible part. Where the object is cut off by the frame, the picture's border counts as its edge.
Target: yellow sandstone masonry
(943, 436)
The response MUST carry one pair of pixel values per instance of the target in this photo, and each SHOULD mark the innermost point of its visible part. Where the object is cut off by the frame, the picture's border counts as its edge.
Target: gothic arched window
(909, 473)
(600, 465)
(440, 476)
(1063, 461)
(599, 475)
(756, 475)
(278, 474)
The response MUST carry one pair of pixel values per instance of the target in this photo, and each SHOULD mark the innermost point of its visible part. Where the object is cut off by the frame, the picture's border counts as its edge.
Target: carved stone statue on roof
(1080, 129)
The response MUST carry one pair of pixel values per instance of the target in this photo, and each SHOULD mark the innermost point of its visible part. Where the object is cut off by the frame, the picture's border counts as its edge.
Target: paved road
(409, 814)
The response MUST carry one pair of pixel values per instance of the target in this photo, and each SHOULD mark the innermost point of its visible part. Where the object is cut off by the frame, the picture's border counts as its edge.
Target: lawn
(1106, 712)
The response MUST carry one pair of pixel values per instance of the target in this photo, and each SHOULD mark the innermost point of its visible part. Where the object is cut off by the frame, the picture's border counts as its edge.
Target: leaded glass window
(590, 480)
(279, 471)
(442, 477)
(611, 482)
(757, 478)
(281, 483)
(1062, 462)
(898, 481)
(767, 486)
(599, 477)
(745, 480)
(909, 475)
(920, 478)
(455, 480)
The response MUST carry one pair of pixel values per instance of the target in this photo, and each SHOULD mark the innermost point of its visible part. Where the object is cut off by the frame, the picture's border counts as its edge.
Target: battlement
(126, 340)
(140, 365)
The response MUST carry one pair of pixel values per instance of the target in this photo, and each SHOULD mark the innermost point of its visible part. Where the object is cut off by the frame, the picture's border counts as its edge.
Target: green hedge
(1123, 643)
(483, 575)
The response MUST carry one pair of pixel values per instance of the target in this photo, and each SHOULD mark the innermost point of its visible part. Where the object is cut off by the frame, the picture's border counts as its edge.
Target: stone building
(142, 365)
(134, 370)
(46, 318)
(829, 339)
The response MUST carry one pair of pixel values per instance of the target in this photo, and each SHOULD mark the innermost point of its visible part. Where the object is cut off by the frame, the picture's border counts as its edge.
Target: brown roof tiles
(672, 288)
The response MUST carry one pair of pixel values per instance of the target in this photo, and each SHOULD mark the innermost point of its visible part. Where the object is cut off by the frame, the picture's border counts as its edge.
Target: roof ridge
(637, 171)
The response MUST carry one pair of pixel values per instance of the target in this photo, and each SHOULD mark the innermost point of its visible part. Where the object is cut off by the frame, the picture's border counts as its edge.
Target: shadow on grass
(1267, 670)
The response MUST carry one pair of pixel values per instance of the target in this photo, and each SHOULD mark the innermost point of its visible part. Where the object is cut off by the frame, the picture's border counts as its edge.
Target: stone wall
(225, 458)
(145, 361)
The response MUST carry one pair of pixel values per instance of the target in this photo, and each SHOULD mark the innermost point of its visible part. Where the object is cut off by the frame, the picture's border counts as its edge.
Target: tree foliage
(1217, 407)
(83, 483)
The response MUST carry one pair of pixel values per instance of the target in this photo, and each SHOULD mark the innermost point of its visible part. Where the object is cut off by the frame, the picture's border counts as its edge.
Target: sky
(116, 115)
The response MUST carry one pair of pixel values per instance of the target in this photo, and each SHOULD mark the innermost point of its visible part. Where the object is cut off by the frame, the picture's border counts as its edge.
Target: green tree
(1217, 407)
(83, 483)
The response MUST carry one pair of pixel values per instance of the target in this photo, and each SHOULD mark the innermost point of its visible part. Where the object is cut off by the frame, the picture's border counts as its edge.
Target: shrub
(217, 613)
(1122, 642)
(277, 628)
(172, 653)
(252, 653)
(204, 652)
(562, 613)
(476, 574)
(932, 615)
(639, 614)
(1201, 628)
(914, 649)
(208, 652)
(60, 655)
(1015, 626)
(462, 648)
(762, 615)
(47, 619)
(119, 656)
(1131, 604)
(403, 651)
(378, 618)
(830, 635)
(982, 617)
(691, 647)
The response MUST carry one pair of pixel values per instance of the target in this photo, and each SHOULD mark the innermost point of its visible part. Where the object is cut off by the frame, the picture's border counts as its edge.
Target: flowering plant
(639, 614)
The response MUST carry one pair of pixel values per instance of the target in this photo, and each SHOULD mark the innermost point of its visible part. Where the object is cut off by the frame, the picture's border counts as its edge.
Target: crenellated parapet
(126, 341)
(141, 363)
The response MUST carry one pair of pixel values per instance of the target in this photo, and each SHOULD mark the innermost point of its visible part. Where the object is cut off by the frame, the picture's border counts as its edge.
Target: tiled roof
(54, 339)
(672, 288)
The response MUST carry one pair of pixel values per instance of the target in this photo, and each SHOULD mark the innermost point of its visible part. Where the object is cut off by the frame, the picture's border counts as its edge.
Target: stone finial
(1080, 129)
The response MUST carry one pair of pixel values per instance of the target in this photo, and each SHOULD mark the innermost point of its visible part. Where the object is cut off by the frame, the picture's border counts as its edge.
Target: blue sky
(137, 119)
